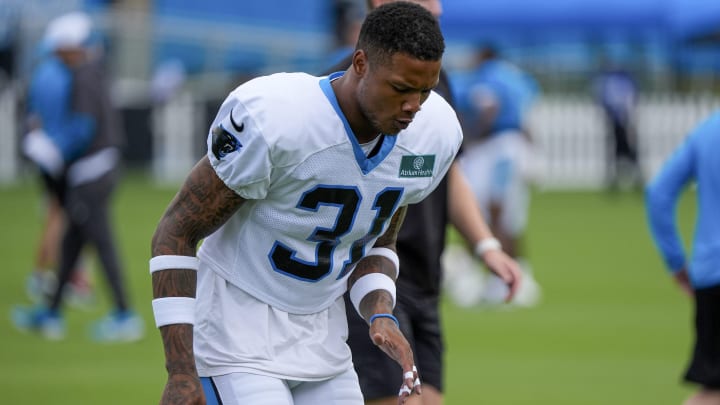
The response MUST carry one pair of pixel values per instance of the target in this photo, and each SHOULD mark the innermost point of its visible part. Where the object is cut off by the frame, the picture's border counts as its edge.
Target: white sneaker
(530, 292)
(528, 295)
(118, 327)
(462, 276)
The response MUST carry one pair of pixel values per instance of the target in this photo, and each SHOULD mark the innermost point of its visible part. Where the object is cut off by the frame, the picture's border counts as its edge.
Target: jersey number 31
(347, 200)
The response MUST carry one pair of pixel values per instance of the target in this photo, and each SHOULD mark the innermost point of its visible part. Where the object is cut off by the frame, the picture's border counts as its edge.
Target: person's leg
(623, 146)
(428, 345)
(467, 281)
(97, 227)
(386, 401)
(428, 352)
(704, 367)
(78, 291)
(72, 244)
(91, 212)
(244, 388)
(343, 389)
(42, 285)
(627, 169)
(509, 216)
(43, 280)
(517, 210)
(46, 319)
(611, 167)
(48, 250)
(430, 396)
(379, 376)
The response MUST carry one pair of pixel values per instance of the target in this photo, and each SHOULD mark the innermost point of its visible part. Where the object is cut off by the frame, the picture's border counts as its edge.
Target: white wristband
(44, 152)
(486, 245)
(173, 310)
(387, 253)
(369, 283)
(165, 262)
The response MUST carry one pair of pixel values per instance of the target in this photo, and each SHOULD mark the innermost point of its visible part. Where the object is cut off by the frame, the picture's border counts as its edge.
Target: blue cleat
(49, 324)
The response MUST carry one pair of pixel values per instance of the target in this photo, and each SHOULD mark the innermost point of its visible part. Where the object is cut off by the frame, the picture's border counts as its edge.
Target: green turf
(611, 328)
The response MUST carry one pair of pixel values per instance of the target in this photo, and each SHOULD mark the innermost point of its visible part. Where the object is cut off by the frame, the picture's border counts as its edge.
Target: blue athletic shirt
(696, 159)
(514, 90)
(51, 99)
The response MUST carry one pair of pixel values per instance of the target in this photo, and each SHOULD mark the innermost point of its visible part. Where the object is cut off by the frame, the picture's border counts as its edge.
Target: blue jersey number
(347, 200)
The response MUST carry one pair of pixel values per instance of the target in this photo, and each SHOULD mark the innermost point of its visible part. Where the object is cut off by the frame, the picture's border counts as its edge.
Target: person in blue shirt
(75, 140)
(493, 100)
(49, 92)
(695, 160)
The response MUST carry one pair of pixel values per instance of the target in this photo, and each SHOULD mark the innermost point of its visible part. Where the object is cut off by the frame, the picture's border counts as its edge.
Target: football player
(299, 199)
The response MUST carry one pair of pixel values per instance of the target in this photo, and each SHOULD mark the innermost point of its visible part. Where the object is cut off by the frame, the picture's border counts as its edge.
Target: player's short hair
(401, 27)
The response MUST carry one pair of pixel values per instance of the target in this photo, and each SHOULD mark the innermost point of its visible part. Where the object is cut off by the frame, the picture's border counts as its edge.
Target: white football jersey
(316, 203)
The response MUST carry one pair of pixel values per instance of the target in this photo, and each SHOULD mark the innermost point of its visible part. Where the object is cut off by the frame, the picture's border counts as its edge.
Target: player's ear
(359, 62)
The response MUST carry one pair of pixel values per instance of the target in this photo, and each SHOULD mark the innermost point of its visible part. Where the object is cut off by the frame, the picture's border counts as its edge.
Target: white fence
(569, 132)
(571, 137)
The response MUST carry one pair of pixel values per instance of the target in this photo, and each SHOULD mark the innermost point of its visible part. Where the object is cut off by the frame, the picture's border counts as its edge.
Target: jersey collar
(366, 164)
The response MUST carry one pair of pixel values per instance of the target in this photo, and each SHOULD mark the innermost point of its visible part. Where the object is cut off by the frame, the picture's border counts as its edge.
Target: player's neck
(345, 94)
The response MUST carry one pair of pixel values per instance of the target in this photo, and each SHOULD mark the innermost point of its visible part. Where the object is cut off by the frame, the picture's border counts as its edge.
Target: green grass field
(611, 329)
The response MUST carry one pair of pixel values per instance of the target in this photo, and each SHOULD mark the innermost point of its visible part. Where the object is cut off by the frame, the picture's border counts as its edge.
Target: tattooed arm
(383, 331)
(201, 206)
(379, 301)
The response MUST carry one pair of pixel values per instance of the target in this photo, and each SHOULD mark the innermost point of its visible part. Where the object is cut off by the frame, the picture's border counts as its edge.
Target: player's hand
(683, 281)
(183, 389)
(506, 268)
(387, 336)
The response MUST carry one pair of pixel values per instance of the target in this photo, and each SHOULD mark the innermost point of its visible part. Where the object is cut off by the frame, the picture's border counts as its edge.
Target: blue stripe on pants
(211, 395)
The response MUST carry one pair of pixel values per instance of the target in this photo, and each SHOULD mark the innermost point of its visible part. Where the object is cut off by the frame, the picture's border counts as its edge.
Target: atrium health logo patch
(417, 166)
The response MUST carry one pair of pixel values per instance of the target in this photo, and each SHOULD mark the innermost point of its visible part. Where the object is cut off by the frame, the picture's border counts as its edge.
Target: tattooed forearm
(376, 302)
(175, 283)
(380, 264)
(178, 349)
(200, 207)
(372, 264)
(390, 236)
(379, 301)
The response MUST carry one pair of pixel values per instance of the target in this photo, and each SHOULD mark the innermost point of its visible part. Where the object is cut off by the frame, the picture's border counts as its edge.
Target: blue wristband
(391, 316)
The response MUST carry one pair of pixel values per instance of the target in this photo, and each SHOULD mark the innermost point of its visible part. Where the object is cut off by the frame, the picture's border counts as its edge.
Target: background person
(695, 160)
(493, 100)
(616, 91)
(77, 144)
(42, 281)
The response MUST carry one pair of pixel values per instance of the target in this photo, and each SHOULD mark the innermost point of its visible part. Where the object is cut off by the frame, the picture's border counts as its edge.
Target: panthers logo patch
(223, 142)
